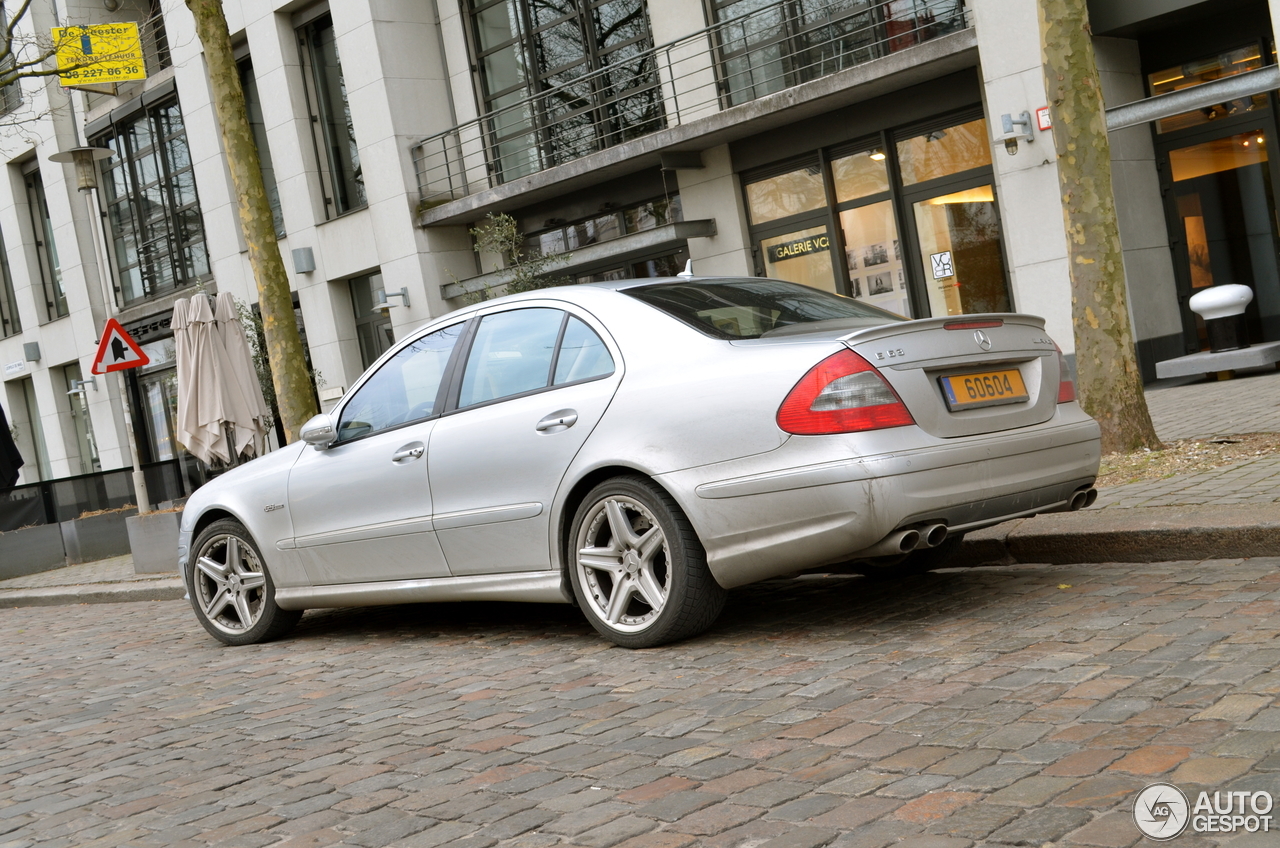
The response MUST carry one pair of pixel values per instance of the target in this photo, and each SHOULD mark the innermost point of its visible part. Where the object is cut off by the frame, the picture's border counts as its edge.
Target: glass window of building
(928, 243)
(333, 129)
(258, 125)
(766, 46)
(42, 469)
(10, 323)
(87, 447)
(373, 326)
(55, 296)
(943, 152)
(1205, 70)
(158, 386)
(149, 188)
(563, 78)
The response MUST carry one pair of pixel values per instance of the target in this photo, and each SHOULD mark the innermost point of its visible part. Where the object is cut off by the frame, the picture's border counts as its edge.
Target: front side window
(149, 187)
(334, 132)
(404, 389)
(55, 296)
(587, 64)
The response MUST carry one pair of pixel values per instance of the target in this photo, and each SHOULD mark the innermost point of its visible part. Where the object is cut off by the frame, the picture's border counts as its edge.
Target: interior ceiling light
(877, 155)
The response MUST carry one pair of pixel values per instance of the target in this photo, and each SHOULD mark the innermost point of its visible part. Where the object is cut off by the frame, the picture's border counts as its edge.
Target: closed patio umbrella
(245, 405)
(201, 408)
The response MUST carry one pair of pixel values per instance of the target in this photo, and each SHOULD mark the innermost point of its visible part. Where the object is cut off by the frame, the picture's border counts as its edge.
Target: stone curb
(94, 593)
(1138, 534)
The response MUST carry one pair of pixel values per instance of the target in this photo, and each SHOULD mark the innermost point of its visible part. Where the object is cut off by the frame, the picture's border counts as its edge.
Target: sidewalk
(1229, 512)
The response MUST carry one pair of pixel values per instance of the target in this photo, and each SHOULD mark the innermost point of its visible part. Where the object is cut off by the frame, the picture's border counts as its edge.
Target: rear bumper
(822, 499)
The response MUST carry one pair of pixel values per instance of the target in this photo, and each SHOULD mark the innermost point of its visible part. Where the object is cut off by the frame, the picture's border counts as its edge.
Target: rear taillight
(1066, 388)
(842, 394)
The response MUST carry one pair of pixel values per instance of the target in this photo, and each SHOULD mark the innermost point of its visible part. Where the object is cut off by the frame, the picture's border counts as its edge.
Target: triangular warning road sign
(117, 350)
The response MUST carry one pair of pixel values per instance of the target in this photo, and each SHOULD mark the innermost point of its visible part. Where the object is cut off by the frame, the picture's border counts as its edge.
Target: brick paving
(1016, 706)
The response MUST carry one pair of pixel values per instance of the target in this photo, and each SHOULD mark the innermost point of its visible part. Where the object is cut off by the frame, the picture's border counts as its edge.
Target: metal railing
(769, 49)
(52, 501)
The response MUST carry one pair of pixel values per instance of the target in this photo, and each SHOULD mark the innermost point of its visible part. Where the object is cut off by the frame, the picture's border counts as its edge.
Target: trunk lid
(968, 374)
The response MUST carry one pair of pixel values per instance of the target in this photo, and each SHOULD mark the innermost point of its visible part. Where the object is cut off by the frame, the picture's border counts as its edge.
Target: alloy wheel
(230, 584)
(623, 563)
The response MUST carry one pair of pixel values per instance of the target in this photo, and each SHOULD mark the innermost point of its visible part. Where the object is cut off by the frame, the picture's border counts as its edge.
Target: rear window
(753, 308)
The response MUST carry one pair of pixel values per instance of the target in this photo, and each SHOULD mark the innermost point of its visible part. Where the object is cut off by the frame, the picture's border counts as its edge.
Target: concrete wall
(1027, 187)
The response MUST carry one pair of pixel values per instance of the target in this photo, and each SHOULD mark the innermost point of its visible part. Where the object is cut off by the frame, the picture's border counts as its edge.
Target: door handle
(408, 452)
(561, 419)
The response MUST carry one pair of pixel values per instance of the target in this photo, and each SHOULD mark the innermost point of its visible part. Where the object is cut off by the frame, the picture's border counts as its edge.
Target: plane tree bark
(1108, 381)
(295, 396)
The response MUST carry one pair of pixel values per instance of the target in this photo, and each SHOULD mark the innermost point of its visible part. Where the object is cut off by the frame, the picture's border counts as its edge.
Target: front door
(1224, 223)
(361, 509)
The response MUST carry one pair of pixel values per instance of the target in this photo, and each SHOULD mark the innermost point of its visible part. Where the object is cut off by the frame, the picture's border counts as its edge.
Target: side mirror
(319, 432)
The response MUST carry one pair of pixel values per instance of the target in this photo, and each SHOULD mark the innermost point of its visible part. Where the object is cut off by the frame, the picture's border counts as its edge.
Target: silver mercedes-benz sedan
(638, 448)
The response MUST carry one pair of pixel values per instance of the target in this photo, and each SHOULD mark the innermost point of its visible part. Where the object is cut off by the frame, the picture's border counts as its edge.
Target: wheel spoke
(253, 580)
(622, 591)
(650, 543)
(650, 589)
(218, 602)
(601, 559)
(242, 610)
(215, 571)
(624, 535)
(235, 563)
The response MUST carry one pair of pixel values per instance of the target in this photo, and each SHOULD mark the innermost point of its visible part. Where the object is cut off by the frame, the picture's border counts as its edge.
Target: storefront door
(1222, 207)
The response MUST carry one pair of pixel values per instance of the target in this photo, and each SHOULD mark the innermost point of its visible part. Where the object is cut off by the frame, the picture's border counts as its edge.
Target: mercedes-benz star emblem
(982, 340)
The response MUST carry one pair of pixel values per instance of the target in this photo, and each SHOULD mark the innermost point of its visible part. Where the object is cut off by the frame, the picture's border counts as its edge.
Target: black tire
(231, 589)
(638, 569)
(916, 562)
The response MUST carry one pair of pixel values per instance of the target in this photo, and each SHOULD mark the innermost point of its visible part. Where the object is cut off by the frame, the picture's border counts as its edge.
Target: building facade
(859, 146)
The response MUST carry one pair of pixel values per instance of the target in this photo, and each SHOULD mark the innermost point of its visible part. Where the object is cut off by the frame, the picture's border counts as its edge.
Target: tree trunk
(294, 394)
(1108, 381)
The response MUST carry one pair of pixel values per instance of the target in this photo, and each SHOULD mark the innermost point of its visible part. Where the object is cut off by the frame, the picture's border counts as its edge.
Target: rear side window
(524, 350)
(751, 308)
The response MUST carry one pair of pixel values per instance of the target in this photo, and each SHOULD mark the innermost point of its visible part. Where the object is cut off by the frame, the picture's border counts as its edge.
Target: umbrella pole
(139, 480)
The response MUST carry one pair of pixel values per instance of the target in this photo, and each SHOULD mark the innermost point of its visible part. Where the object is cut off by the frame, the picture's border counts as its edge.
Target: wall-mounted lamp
(77, 386)
(380, 302)
(85, 159)
(1016, 129)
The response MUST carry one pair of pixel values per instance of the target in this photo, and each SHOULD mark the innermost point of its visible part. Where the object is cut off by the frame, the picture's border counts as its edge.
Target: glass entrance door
(958, 235)
(1226, 226)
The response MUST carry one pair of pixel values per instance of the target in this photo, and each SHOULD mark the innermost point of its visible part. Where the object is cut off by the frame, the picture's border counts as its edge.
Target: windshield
(750, 308)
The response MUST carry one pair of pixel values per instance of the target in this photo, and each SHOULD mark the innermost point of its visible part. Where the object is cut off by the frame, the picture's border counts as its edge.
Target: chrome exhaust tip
(1083, 498)
(895, 544)
(932, 535)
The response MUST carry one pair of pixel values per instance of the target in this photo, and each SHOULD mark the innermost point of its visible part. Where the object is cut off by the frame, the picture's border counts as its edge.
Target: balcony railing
(732, 62)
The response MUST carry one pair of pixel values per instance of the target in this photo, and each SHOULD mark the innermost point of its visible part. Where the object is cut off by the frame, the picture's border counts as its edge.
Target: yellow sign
(98, 54)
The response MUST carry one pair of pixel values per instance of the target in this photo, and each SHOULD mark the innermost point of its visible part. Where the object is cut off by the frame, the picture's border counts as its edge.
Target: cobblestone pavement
(1016, 706)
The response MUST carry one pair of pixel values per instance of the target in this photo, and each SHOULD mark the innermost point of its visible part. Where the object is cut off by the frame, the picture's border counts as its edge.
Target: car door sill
(539, 587)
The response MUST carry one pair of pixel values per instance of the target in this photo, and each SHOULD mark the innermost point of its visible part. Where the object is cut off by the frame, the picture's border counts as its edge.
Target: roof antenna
(687, 273)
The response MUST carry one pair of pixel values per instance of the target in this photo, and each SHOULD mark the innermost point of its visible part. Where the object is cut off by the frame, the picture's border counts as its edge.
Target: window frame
(10, 320)
(334, 189)
(48, 263)
(118, 138)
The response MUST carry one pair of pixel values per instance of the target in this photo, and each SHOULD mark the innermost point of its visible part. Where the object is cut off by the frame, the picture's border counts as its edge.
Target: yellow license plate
(985, 388)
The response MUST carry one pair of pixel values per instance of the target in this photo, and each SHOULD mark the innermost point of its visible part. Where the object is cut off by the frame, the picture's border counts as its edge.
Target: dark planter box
(153, 537)
(31, 550)
(98, 537)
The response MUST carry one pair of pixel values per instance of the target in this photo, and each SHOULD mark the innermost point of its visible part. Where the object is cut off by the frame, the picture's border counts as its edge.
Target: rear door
(535, 382)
